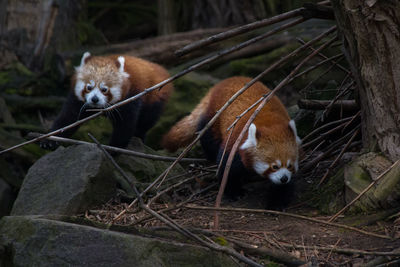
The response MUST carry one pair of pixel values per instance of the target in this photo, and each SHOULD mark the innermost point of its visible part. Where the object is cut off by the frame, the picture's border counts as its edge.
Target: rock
(7, 198)
(66, 181)
(37, 241)
(361, 172)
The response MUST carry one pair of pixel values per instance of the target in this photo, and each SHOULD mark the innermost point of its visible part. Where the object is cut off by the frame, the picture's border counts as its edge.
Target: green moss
(329, 198)
(99, 127)
(221, 241)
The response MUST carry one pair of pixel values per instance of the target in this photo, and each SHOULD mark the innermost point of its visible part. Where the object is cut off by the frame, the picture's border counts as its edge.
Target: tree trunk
(371, 36)
(166, 17)
(29, 28)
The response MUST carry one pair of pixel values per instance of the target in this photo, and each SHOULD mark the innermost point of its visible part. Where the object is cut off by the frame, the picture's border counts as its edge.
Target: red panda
(100, 81)
(271, 146)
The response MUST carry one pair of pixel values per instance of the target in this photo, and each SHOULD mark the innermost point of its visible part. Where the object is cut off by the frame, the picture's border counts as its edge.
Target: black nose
(95, 99)
(284, 179)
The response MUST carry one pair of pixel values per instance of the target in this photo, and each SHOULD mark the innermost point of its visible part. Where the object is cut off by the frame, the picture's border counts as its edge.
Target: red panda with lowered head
(271, 148)
(101, 81)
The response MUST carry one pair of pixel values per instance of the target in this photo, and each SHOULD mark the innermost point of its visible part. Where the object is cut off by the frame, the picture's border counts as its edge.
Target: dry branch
(345, 105)
(117, 150)
(334, 163)
(239, 30)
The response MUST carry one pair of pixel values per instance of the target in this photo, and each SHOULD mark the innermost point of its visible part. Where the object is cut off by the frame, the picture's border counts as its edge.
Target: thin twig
(316, 66)
(364, 191)
(323, 127)
(274, 212)
(239, 30)
(334, 163)
(334, 63)
(116, 149)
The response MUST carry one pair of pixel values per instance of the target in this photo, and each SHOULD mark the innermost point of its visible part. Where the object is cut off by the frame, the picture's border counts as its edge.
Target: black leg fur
(278, 197)
(68, 115)
(149, 114)
(234, 186)
(209, 143)
(124, 121)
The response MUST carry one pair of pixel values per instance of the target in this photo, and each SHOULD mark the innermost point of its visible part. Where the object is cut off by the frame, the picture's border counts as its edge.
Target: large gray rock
(66, 181)
(36, 241)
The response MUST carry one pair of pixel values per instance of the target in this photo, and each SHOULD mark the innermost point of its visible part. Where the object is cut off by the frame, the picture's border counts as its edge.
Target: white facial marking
(279, 163)
(276, 177)
(79, 87)
(288, 162)
(251, 140)
(292, 125)
(101, 99)
(116, 94)
(260, 167)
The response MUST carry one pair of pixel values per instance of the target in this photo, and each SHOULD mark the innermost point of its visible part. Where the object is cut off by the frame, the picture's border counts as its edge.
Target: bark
(166, 17)
(29, 28)
(371, 38)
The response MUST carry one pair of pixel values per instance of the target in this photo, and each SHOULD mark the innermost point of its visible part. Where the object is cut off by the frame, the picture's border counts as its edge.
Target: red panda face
(99, 80)
(272, 153)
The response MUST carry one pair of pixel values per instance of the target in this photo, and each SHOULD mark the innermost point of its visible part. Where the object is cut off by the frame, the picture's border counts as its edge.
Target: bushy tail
(184, 131)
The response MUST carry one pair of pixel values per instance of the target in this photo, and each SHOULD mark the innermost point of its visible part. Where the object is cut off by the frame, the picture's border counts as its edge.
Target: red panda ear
(85, 58)
(292, 126)
(251, 140)
(120, 63)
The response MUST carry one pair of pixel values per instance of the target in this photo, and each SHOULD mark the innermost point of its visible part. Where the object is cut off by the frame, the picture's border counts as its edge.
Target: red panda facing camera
(270, 148)
(101, 81)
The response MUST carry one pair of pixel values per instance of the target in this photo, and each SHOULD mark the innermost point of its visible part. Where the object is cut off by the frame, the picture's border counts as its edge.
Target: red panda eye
(89, 87)
(104, 89)
(275, 167)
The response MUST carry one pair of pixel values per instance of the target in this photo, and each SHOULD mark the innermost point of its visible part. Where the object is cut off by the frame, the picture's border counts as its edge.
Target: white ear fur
(121, 61)
(84, 57)
(292, 125)
(251, 140)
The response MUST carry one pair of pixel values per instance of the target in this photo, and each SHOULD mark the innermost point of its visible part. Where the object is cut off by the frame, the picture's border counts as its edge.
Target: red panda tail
(184, 131)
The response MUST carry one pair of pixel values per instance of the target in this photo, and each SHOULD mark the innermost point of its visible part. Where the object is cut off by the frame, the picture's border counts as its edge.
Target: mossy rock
(42, 241)
(360, 173)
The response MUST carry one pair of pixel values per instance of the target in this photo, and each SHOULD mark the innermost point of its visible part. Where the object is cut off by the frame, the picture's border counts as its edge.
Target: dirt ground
(316, 244)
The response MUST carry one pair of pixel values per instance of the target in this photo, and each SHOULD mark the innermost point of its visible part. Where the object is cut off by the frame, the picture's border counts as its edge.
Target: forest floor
(261, 234)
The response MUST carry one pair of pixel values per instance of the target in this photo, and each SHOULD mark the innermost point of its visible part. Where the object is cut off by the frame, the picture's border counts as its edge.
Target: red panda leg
(70, 113)
(149, 114)
(209, 142)
(237, 174)
(124, 120)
